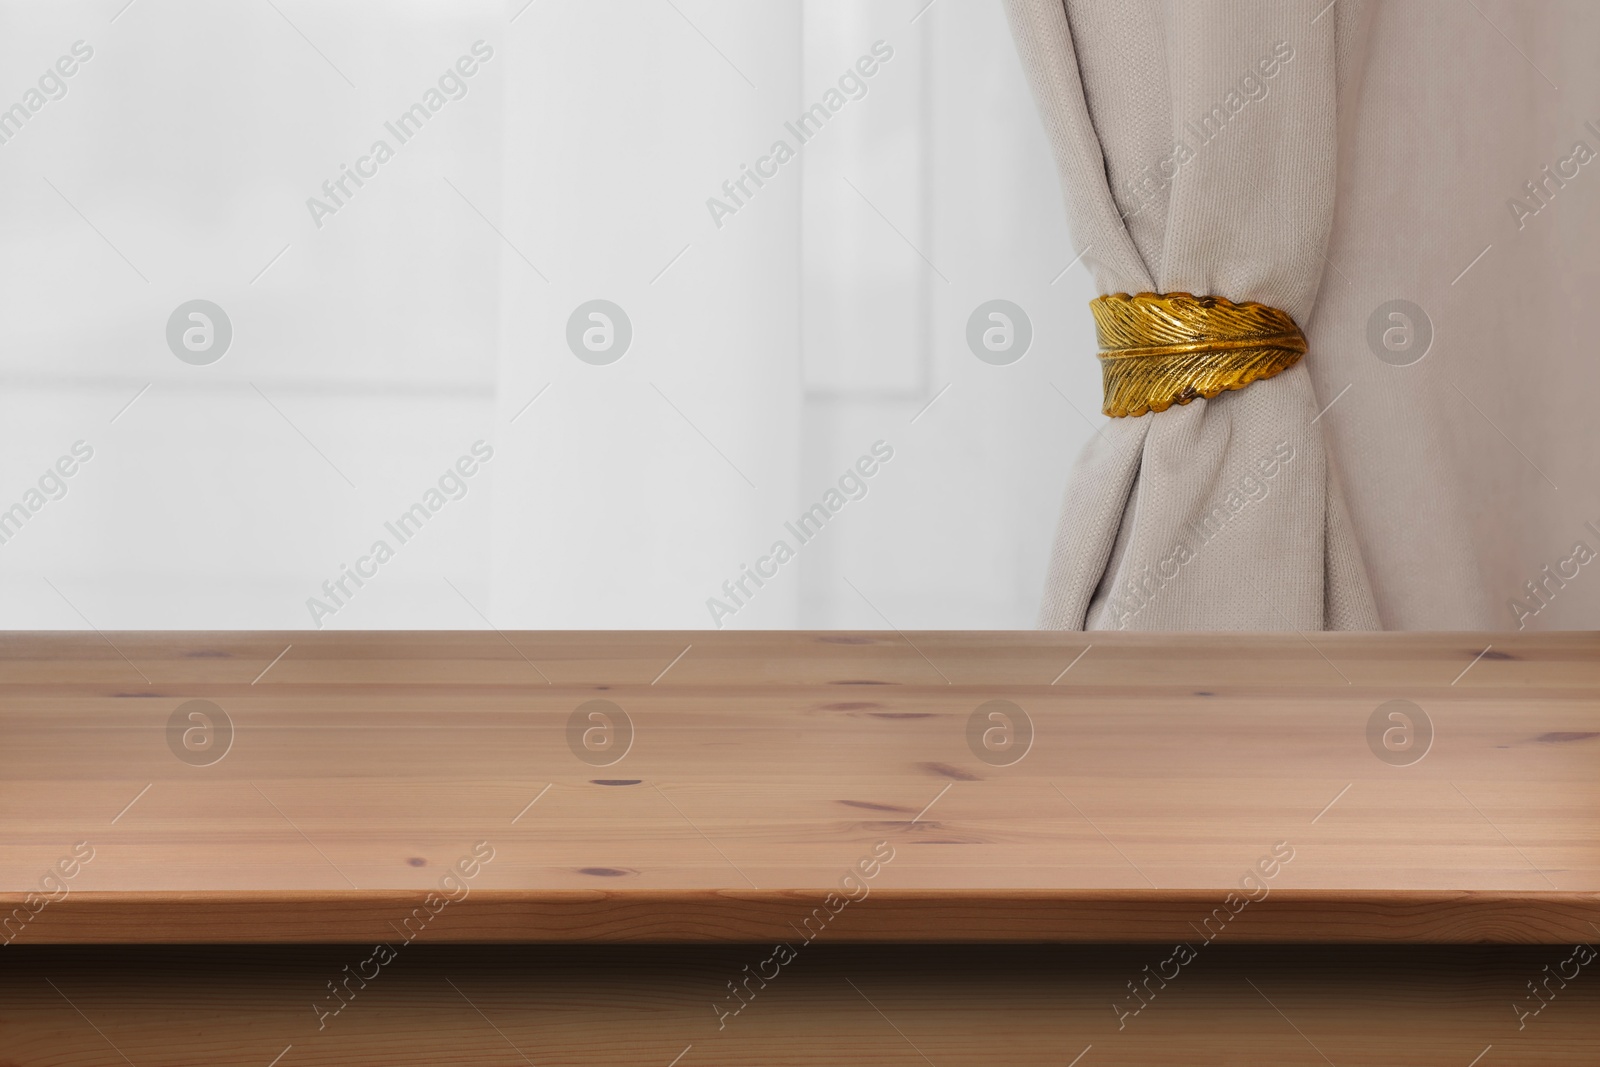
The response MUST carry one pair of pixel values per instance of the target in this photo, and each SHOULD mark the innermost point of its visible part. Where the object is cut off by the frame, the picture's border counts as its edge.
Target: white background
(369, 353)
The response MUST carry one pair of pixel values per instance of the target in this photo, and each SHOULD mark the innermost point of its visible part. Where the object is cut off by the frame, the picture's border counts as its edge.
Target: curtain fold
(1198, 149)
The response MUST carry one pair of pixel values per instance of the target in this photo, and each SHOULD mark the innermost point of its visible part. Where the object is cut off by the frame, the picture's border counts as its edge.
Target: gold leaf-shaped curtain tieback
(1160, 349)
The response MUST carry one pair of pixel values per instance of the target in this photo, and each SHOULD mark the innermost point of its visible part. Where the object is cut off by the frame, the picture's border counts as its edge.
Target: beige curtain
(1317, 157)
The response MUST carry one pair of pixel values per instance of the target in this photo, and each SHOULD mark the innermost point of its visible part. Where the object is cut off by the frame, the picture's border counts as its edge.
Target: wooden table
(418, 789)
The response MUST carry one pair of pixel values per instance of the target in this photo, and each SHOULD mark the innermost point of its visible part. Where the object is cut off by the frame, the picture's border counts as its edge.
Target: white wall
(369, 354)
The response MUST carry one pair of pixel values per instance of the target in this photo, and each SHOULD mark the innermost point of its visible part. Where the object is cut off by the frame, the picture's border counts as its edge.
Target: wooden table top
(944, 786)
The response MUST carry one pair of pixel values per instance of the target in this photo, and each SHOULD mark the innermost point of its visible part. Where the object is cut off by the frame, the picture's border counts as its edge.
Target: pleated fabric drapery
(1197, 143)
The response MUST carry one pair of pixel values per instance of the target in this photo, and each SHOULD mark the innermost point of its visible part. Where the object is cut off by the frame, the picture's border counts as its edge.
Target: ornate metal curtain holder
(1160, 349)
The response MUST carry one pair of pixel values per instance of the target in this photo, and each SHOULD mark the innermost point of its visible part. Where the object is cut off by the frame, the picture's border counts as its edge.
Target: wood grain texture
(764, 767)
